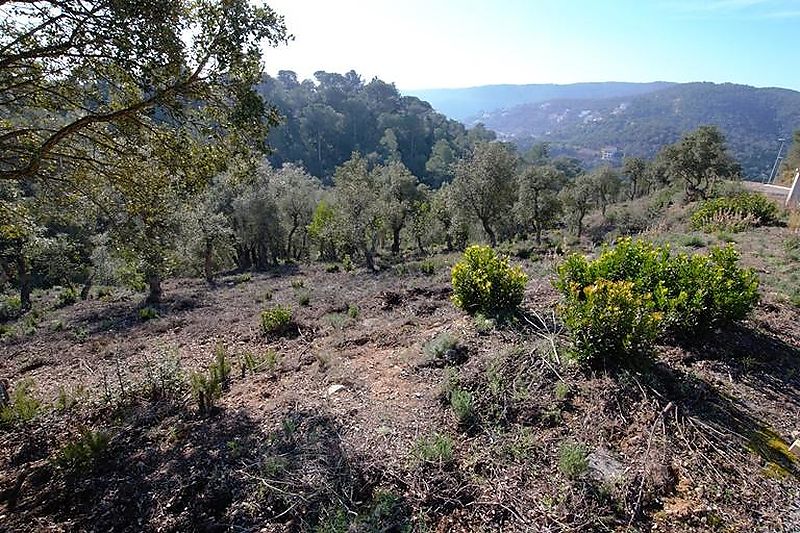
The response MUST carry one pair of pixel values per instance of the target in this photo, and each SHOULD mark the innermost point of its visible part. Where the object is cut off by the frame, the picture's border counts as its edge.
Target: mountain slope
(462, 104)
(751, 118)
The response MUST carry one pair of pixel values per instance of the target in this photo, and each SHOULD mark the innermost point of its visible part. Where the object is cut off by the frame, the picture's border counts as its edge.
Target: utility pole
(777, 161)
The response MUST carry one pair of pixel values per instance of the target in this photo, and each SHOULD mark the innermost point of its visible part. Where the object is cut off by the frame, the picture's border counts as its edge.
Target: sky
(423, 44)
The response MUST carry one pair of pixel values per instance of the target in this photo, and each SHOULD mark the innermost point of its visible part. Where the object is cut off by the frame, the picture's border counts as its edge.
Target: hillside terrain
(464, 104)
(344, 425)
(751, 118)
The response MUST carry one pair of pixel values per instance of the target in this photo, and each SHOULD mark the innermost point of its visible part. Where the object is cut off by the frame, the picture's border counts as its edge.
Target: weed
(10, 308)
(66, 400)
(573, 459)
(207, 386)
(57, 325)
(337, 320)
(725, 237)
(693, 241)
(220, 369)
(523, 444)
(353, 311)
(433, 449)
(298, 283)
(427, 267)
(463, 405)
(84, 451)
(67, 296)
(22, 404)
(323, 360)
(347, 263)
(148, 313)
(304, 298)
(331, 268)
(483, 325)
(562, 391)
(205, 389)
(242, 278)
(440, 345)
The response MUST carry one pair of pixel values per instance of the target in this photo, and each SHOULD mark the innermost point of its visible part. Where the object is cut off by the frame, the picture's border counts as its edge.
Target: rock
(795, 448)
(605, 467)
(333, 389)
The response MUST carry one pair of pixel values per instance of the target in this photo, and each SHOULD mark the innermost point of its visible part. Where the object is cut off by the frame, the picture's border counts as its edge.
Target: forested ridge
(325, 120)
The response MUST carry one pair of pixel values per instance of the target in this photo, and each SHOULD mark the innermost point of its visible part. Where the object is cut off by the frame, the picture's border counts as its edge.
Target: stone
(333, 389)
(795, 448)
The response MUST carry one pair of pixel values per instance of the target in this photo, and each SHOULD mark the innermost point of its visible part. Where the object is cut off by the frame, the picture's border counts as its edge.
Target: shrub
(573, 459)
(609, 320)
(353, 311)
(10, 308)
(463, 404)
(735, 213)
(688, 294)
(485, 282)
(276, 321)
(438, 347)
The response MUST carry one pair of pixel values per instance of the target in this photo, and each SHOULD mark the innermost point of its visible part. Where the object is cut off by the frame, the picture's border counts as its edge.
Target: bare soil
(324, 435)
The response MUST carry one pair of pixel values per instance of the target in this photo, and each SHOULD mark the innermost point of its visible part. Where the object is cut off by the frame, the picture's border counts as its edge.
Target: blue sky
(421, 44)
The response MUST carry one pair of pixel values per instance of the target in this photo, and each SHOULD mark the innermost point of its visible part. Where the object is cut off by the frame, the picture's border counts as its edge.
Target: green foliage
(276, 321)
(483, 324)
(67, 296)
(561, 391)
(735, 213)
(148, 313)
(10, 307)
(438, 347)
(298, 283)
(352, 311)
(485, 282)
(84, 451)
(433, 449)
(22, 404)
(609, 320)
(639, 281)
(463, 405)
(329, 117)
(304, 298)
(573, 459)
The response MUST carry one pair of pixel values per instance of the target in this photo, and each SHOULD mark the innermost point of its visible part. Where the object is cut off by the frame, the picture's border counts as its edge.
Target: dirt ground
(325, 431)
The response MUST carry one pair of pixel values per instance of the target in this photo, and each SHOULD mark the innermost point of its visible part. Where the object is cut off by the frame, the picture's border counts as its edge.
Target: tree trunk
(154, 283)
(396, 240)
(24, 276)
(490, 233)
(208, 263)
(87, 287)
(369, 259)
(291, 236)
(419, 245)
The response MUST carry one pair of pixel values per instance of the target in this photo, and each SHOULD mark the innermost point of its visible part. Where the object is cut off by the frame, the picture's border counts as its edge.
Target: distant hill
(462, 104)
(752, 119)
